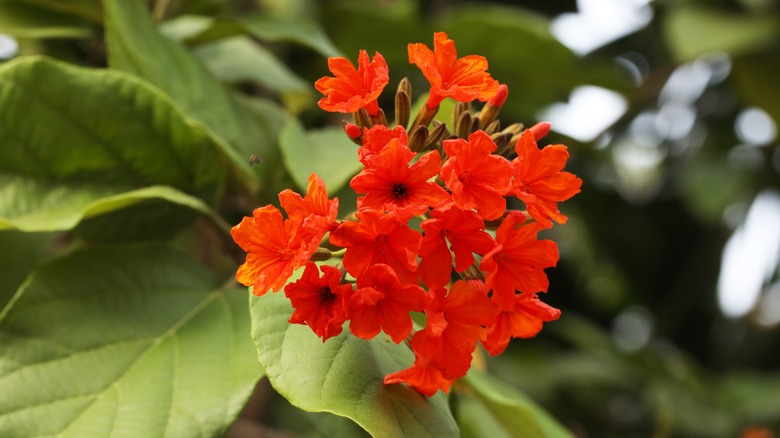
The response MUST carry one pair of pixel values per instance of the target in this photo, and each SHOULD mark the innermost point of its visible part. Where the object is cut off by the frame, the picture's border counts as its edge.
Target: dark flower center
(326, 296)
(399, 191)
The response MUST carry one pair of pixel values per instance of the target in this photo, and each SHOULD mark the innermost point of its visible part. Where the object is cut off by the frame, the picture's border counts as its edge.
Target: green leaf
(344, 375)
(136, 47)
(519, 416)
(124, 341)
(266, 120)
(34, 206)
(185, 26)
(25, 21)
(328, 152)
(306, 33)
(90, 10)
(19, 254)
(240, 59)
(693, 31)
(154, 213)
(64, 158)
(475, 419)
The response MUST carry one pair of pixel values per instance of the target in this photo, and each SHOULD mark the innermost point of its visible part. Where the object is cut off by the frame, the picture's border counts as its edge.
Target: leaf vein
(157, 341)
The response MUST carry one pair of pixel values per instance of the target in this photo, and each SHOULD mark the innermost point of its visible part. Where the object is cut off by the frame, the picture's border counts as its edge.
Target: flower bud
(490, 111)
(540, 130)
(418, 138)
(354, 133)
(362, 118)
(403, 103)
(436, 136)
(424, 117)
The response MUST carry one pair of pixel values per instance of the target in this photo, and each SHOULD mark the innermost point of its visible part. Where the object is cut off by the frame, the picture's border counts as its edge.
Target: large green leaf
(240, 59)
(328, 152)
(19, 254)
(693, 31)
(198, 29)
(266, 120)
(135, 46)
(34, 206)
(79, 142)
(306, 33)
(344, 375)
(124, 341)
(518, 415)
(25, 21)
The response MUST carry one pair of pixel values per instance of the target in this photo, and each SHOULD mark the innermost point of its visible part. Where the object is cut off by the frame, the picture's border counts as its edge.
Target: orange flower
(273, 246)
(463, 79)
(464, 230)
(476, 177)
(391, 184)
(319, 302)
(518, 261)
(315, 211)
(539, 180)
(523, 319)
(443, 350)
(378, 238)
(454, 323)
(422, 376)
(376, 138)
(352, 88)
(383, 303)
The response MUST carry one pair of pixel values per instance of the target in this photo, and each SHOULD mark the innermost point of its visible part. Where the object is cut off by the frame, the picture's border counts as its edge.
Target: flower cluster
(458, 182)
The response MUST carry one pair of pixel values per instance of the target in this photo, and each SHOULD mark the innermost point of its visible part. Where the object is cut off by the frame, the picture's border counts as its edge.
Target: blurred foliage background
(668, 279)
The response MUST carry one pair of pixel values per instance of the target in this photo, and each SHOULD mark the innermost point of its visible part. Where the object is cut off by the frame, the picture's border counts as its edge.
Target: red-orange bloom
(454, 324)
(443, 350)
(390, 184)
(465, 231)
(377, 137)
(382, 302)
(539, 180)
(319, 302)
(314, 208)
(352, 89)
(522, 320)
(273, 247)
(422, 376)
(477, 178)
(378, 238)
(518, 261)
(315, 211)
(463, 79)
